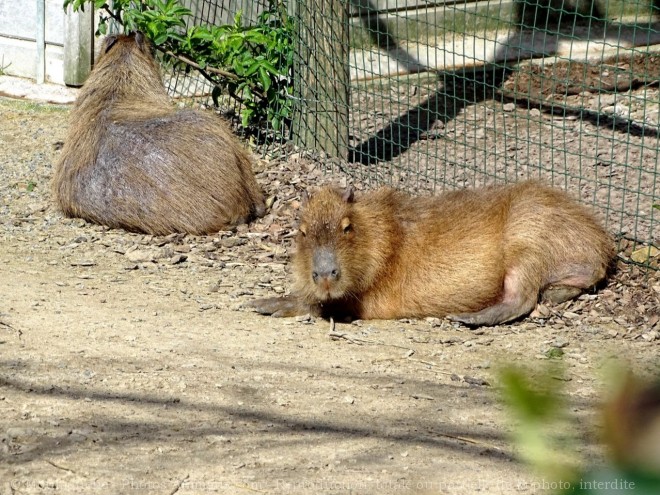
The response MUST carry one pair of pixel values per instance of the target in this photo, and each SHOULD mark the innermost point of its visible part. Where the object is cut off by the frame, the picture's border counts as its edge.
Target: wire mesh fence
(188, 85)
(427, 95)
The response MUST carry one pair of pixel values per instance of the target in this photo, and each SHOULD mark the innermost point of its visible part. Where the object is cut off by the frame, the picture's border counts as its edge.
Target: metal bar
(41, 41)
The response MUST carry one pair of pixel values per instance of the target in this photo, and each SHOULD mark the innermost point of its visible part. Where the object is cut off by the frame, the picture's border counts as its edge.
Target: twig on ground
(342, 335)
(7, 325)
(178, 486)
(469, 440)
(59, 467)
(245, 487)
(354, 339)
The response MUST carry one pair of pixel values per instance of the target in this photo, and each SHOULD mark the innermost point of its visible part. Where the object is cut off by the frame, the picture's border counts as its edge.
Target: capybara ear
(143, 43)
(349, 195)
(109, 42)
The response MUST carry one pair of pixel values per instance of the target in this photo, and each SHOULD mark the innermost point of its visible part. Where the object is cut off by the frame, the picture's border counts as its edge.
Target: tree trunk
(321, 84)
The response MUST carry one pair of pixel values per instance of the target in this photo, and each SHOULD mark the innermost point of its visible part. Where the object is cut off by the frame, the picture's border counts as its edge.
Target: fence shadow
(551, 32)
(162, 411)
(457, 90)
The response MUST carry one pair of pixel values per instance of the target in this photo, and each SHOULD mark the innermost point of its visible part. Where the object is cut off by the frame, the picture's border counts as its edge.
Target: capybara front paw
(278, 307)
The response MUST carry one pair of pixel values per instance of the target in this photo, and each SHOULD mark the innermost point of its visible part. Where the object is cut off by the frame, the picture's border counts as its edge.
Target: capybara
(479, 256)
(132, 160)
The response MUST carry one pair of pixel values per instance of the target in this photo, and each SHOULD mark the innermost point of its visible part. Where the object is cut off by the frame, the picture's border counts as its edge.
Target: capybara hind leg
(518, 298)
(493, 315)
(570, 282)
(259, 208)
(557, 294)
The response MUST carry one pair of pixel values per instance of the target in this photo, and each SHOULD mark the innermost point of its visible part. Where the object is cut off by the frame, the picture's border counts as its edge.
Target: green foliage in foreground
(252, 63)
(542, 421)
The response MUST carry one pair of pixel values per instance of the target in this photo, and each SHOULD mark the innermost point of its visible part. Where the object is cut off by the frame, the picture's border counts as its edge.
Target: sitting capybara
(481, 257)
(132, 160)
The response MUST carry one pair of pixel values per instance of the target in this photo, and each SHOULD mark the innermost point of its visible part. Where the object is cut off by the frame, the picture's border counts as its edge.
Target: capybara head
(325, 237)
(123, 45)
(125, 69)
(336, 254)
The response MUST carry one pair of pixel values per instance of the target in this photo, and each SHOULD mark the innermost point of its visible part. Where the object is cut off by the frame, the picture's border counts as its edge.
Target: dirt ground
(127, 366)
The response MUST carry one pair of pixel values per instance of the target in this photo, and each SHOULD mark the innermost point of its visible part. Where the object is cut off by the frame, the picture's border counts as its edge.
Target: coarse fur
(132, 160)
(479, 256)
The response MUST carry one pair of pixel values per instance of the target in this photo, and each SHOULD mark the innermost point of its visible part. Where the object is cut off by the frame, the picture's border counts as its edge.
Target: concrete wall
(18, 33)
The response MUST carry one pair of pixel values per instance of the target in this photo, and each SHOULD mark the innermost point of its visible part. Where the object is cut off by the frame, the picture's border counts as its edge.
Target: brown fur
(132, 160)
(481, 257)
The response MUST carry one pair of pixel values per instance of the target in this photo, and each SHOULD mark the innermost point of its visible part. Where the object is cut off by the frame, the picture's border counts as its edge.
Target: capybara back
(131, 160)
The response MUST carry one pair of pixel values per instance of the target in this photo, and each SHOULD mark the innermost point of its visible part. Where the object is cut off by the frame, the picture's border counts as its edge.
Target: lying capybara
(132, 160)
(481, 257)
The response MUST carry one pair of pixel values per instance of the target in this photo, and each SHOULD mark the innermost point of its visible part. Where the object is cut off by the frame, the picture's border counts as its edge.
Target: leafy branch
(251, 63)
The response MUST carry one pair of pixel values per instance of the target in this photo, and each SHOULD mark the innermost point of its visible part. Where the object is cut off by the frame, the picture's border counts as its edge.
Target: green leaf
(270, 68)
(246, 116)
(265, 78)
(530, 403)
(177, 37)
(253, 68)
(275, 122)
(203, 34)
(238, 19)
(160, 39)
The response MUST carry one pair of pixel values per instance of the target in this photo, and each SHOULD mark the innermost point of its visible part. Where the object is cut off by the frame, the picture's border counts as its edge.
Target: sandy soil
(126, 365)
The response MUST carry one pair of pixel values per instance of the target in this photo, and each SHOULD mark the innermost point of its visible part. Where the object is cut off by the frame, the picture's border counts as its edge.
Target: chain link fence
(426, 95)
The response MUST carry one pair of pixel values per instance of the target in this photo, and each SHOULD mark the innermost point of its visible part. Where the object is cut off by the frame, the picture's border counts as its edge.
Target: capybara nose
(325, 266)
(325, 275)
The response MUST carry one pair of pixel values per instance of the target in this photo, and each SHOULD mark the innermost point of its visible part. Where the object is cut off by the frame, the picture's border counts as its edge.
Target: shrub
(251, 63)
